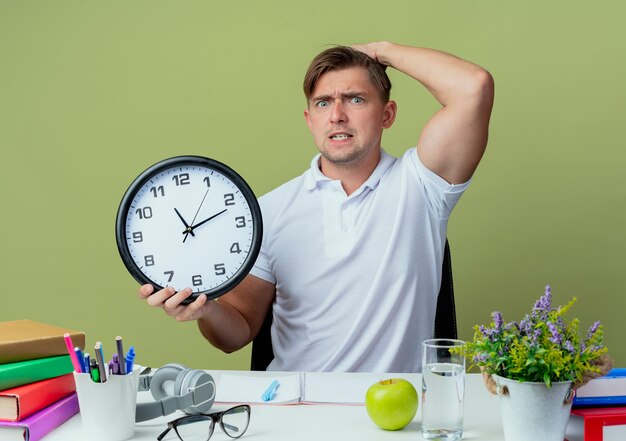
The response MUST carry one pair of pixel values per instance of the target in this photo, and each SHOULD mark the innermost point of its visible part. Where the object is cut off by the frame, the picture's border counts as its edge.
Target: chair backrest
(445, 319)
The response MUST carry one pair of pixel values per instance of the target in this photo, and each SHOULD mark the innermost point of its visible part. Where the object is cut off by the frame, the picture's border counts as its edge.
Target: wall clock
(189, 221)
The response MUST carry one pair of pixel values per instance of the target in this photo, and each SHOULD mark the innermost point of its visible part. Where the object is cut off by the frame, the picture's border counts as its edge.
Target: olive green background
(93, 92)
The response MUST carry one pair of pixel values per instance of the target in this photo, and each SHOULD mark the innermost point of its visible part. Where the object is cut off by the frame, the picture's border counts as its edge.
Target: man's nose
(338, 114)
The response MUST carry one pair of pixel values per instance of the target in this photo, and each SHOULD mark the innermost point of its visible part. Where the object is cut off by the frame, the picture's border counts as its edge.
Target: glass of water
(443, 389)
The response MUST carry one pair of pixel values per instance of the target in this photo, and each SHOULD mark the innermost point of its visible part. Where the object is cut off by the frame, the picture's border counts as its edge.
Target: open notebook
(298, 387)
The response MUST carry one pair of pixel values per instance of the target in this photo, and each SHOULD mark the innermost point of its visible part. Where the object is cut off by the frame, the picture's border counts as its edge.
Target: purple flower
(570, 347)
(481, 357)
(497, 320)
(556, 336)
(545, 302)
(525, 326)
(592, 330)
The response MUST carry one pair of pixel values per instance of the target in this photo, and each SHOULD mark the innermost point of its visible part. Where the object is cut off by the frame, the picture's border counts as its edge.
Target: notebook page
(237, 388)
(325, 387)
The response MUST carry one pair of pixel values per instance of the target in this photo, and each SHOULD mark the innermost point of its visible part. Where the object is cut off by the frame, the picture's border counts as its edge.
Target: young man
(352, 249)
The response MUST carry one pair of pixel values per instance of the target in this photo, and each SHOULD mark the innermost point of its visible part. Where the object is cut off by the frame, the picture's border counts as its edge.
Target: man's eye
(322, 104)
(356, 100)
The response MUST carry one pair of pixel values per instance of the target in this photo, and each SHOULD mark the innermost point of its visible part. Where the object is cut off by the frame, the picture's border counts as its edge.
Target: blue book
(606, 391)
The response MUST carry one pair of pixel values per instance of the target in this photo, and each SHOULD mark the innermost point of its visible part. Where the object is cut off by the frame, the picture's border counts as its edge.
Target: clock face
(189, 221)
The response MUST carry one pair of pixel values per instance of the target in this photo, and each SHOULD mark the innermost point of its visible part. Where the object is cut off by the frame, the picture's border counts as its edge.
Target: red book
(596, 418)
(21, 401)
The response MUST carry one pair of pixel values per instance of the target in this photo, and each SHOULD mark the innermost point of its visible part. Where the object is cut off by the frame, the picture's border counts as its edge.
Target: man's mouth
(340, 136)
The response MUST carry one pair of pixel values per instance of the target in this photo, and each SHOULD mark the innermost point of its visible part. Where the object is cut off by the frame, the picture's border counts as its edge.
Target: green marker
(95, 373)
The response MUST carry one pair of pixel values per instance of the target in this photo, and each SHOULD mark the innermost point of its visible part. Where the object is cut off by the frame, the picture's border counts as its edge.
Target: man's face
(347, 116)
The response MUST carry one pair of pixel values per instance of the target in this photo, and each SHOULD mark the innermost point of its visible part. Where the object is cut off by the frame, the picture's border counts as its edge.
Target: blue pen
(130, 359)
(270, 392)
(87, 361)
(81, 360)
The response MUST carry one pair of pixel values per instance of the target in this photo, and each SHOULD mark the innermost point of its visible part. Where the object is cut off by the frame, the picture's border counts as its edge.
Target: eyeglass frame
(215, 417)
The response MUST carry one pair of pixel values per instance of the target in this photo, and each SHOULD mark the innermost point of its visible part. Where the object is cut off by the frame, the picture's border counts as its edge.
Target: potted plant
(535, 365)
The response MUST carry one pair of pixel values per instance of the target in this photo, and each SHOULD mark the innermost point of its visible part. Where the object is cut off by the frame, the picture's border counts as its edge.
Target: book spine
(24, 372)
(43, 347)
(33, 397)
(47, 419)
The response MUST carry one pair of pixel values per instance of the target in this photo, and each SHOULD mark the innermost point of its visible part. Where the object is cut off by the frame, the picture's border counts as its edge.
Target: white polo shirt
(357, 277)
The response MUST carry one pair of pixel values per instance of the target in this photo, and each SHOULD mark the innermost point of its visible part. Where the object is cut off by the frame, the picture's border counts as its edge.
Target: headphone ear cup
(188, 380)
(161, 379)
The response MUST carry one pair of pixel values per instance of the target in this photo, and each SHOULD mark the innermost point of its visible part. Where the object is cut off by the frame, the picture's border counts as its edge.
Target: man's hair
(344, 57)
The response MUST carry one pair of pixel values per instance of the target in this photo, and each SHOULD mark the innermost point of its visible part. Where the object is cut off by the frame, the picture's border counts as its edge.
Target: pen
(87, 362)
(130, 359)
(95, 372)
(81, 360)
(70, 349)
(120, 354)
(114, 365)
(270, 392)
(100, 362)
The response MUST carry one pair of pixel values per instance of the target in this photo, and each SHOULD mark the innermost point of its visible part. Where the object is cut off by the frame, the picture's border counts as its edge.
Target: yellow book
(22, 340)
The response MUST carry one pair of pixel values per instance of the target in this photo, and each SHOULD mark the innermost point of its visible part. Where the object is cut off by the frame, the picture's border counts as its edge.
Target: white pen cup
(443, 389)
(107, 410)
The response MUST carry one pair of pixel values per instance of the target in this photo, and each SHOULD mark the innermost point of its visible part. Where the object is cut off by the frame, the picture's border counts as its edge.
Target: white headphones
(174, 387)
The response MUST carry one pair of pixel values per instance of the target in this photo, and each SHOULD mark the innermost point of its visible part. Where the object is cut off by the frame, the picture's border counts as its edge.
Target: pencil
(120, 355)
(100, 362)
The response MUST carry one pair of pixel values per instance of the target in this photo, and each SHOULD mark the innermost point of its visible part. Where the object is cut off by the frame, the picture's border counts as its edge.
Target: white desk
(324, 422)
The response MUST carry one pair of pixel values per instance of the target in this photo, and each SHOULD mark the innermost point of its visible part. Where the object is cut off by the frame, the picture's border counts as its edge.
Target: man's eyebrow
(343, 95)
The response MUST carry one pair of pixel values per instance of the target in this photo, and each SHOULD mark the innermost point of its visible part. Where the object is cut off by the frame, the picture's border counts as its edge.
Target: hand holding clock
(170, 300)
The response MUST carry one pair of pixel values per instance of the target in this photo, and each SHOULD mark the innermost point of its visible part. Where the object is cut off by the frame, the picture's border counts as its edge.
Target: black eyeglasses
(233, 421)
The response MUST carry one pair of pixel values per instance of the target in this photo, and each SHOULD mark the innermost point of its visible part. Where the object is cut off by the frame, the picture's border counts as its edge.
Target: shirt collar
(314, 176)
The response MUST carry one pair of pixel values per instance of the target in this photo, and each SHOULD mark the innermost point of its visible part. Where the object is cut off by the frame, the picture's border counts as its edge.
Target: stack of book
(37, 389)
(600, 407)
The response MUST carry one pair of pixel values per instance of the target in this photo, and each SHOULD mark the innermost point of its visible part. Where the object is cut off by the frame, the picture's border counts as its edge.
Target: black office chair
(445, 319)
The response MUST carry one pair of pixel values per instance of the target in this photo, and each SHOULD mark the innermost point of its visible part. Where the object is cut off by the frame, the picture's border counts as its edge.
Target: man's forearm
(224, 327)
(446, 76)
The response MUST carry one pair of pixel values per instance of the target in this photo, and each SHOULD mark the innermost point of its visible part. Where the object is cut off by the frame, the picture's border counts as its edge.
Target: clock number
(144, 213)
(181, 179)
(234, 248)
(149, 260)
(208, 181)
(137, 237)
(220, 269)
(241, 221)
(196, 280)
(170, 274)
(156, 190)
(229, 199)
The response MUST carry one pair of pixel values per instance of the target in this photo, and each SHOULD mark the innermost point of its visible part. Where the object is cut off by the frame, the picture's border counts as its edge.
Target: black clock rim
(186, 160)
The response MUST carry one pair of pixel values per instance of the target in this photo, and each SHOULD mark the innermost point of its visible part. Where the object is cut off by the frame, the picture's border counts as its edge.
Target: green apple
(391, 403)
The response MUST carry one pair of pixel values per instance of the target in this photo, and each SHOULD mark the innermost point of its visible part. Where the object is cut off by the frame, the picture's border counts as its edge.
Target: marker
(114, 365)
(81, 360)
(95, 372)
(130, 359)
(100, 362)
(70, 350)
(270, 392)
(120, 353)
(87, 362)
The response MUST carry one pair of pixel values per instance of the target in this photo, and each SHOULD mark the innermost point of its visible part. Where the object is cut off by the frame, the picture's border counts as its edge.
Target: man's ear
(389, 114)
(307, 118)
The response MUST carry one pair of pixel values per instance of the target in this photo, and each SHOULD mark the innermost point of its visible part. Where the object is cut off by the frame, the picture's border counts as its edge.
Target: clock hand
(190, 229)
